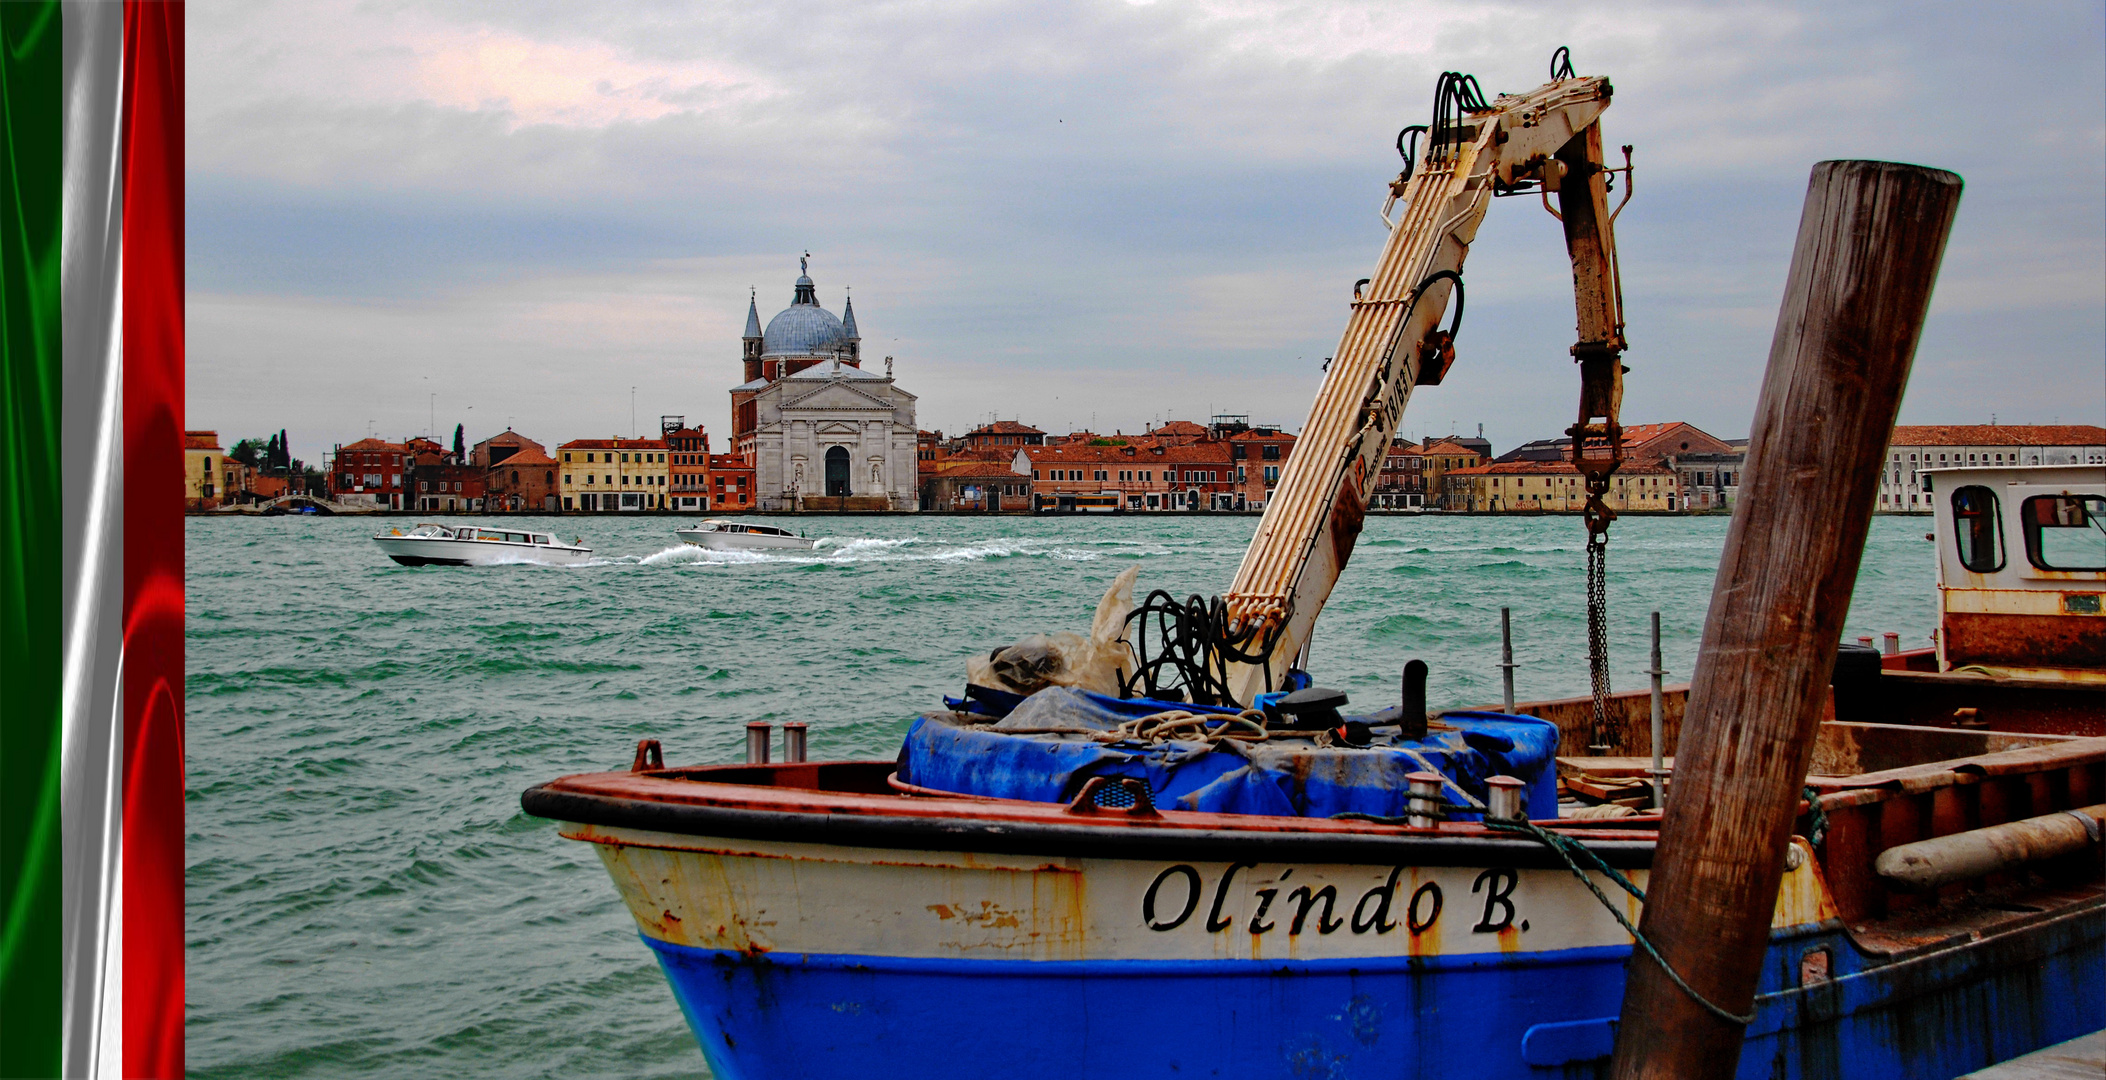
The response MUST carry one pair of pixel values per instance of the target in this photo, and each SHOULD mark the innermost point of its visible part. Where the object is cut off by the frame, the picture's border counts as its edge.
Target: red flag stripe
(153, 540)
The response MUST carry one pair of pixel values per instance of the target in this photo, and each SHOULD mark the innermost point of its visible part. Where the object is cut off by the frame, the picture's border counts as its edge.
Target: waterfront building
(1146, 474)
(523, 482)
(1706, 481)
(966, 485)
(204, 470)
(1401, 483)
(1552, 486)
(369, 472)
(1438, 459)
(442, 484)
(731, 482)
(498, 447)
(687, 464)
(1258, 454)
(1915, 448)
(819, 431)
(601, 475)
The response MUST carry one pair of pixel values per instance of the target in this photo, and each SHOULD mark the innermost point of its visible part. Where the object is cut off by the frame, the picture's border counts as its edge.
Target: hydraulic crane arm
(1548, 139)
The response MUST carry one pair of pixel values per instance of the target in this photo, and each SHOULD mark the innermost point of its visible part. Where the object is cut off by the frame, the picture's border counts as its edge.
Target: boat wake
(852, 550)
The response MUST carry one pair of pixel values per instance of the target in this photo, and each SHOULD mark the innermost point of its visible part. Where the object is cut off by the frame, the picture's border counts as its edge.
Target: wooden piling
(1870, 239)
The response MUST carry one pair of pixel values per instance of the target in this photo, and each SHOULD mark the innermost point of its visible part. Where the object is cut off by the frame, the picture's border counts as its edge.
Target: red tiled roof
(1548, 468)
(1254, 436)
(371, 445)
(201, 440)
(1178, 427)
(1083, 452)
(1449, 449)
(613, 444)
(1999, 435)
(527, 456)
(1006, 427)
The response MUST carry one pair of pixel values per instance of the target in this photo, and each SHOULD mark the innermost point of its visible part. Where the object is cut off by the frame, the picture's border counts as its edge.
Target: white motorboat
(477, 545)
(719, 535)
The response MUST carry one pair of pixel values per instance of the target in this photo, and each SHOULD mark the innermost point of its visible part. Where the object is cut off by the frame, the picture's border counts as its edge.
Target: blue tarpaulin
(1016, 758)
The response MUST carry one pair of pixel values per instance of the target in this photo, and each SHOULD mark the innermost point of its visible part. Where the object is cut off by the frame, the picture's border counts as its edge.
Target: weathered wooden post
(1870, 239)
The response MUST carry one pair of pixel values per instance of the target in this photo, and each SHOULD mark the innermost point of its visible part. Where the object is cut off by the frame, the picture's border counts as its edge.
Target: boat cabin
(715, 525)
(474, 532)
(2021, 569)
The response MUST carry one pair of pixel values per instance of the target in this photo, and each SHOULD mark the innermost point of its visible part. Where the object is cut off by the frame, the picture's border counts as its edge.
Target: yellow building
(210, 479)
(1540, 486)
(612, 474)
(1437, 460)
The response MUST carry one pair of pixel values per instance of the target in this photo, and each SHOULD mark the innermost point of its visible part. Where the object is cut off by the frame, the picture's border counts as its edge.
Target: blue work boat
(1049, 882)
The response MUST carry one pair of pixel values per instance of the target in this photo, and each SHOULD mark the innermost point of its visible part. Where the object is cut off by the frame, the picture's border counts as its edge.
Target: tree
(284, 450)
(460, 448)
(248, 452)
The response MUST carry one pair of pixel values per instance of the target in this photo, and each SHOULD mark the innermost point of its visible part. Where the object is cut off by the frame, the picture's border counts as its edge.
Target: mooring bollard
(1892, 644)
(793, 742)
(1506, 655)
(1411, 716)
(1659, 769)
(757, 734)
(1508, 800)
(1425, 808)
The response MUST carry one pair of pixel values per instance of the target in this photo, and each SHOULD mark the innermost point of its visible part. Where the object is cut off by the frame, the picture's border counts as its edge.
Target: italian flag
(91, 578)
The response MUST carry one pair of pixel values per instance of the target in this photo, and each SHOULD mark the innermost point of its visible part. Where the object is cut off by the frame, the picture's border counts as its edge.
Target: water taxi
(720, 535)
(477, 545)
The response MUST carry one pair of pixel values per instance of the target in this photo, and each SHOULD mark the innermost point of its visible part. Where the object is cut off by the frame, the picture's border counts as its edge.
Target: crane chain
(1598, 609)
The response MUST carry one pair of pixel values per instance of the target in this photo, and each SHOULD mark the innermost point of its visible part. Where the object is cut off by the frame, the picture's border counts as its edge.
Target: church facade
(821, 432)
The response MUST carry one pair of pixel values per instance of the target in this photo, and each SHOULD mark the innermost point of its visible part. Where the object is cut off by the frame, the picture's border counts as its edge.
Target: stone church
(822, 433)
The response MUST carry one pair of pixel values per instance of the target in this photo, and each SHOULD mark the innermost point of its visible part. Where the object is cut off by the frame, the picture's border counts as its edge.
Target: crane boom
(1393, 343)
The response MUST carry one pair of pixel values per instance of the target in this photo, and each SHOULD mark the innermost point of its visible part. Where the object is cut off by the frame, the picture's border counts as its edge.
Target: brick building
(498, 447)
(731, 482)
(987, 487)
(1003, 434)
(369, 472)
(524, 482)
(1258, 454)
(1145, 475)
(1401, 483)
(687, 464)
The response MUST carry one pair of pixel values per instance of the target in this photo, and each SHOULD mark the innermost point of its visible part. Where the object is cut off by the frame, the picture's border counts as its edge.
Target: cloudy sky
(1082, 214)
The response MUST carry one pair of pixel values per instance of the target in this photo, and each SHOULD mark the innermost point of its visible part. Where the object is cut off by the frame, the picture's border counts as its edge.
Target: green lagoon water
(365, 898)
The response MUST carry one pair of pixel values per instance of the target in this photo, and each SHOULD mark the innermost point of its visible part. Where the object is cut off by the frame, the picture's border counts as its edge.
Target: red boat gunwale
(847, 803)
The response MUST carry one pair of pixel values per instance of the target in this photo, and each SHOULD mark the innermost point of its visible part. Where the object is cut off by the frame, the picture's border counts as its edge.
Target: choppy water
(365, 898)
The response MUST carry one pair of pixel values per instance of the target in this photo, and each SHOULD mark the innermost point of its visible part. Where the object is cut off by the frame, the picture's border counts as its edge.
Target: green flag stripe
(31, 133)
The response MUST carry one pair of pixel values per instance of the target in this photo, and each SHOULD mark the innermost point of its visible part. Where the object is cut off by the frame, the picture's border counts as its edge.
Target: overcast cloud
(1076, 214)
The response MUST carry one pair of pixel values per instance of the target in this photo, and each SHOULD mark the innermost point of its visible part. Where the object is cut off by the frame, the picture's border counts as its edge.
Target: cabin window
(1975, 528)
(2065, 532)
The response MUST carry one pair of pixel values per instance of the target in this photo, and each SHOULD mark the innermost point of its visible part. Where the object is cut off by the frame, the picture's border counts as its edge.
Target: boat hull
(796, 959)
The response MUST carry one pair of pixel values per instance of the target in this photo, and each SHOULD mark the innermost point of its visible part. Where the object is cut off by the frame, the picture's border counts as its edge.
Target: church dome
(804, 328)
